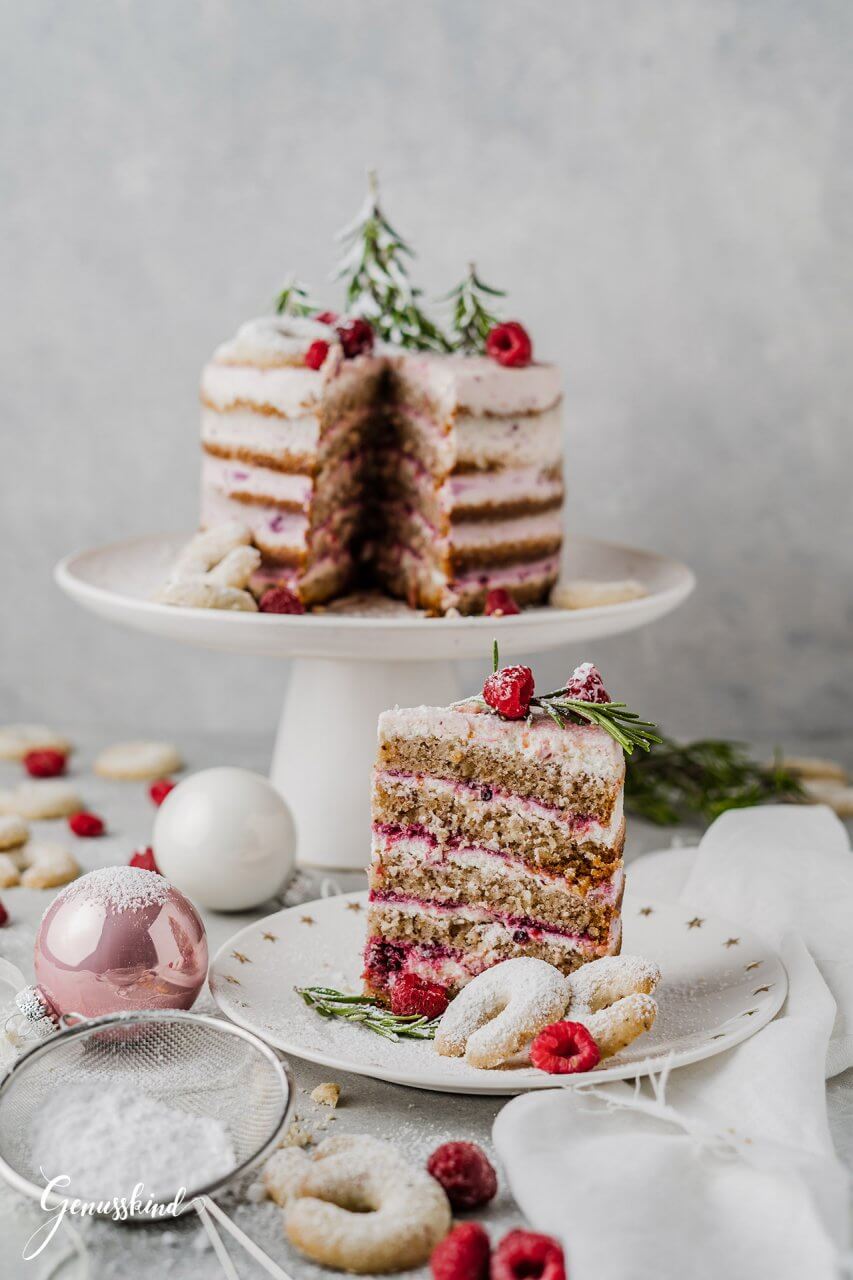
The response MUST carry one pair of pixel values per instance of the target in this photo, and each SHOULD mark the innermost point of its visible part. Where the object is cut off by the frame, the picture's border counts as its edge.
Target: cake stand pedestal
(349, 666)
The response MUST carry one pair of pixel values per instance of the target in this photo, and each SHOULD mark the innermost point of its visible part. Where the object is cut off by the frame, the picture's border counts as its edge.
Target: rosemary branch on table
(679, 781)
(369, 1012)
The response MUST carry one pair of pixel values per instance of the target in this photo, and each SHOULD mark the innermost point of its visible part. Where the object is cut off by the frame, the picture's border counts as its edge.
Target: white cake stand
(348, 667)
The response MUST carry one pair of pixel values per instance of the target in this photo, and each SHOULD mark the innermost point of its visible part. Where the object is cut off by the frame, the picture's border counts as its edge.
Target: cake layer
(410, 864)
(479, 442)
(477, 385)
(583, 850)
(247, 435)
(528, 581)
(579, 768)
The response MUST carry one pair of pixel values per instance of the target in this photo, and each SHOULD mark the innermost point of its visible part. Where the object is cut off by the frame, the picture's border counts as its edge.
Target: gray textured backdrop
(665, 189)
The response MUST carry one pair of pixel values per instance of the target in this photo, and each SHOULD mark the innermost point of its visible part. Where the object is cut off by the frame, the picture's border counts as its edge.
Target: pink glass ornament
(96, 954)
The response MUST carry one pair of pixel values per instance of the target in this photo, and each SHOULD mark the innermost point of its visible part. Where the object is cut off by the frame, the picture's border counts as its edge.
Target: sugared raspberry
(499, 603)
(509, 692)
(356, 337)
(44, 764)
(586, 684)
(410, 996)
(159, 789)
(524, 1254)
(4, 915)
(463, 1169)
(315, 356)
(86, 824)
(510, 345)
(280, 600)
(462, 1255)
(326, 317)
(564, 1048)
(144, 858)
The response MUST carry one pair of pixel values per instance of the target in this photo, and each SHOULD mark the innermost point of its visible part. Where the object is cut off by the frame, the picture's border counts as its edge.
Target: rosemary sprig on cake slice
(472, 320)
(369, 1012)
(378, 285)
(583, 700)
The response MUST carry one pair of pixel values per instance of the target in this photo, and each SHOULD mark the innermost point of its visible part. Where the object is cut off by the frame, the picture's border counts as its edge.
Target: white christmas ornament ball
(226, 838)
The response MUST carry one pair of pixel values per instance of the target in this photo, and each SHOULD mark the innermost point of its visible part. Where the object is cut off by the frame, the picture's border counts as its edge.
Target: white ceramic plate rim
(621, 1071)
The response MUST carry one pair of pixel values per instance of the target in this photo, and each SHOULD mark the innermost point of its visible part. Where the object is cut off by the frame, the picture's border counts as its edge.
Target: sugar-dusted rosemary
(369, 1013)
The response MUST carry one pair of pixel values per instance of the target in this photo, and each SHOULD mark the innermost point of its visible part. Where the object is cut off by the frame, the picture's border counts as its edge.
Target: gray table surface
(416, 1120)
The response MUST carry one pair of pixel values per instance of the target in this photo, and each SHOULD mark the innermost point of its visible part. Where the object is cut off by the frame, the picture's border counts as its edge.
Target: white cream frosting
(575, 749)
(243, 479)
(287, 390)
(273, 437)
(508, 484)
(273, 340)
(510, 575)
(479, 385)
(495, 533)
(283, 530)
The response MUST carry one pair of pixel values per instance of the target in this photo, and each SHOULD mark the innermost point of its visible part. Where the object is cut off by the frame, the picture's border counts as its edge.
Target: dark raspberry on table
(509, 691)
(144, 858)
(465, 1172)
(159, 789)
(523, 1255)
(509, 343)
(462, 1255)
(86, 824)
(44, 764)
(4, 915)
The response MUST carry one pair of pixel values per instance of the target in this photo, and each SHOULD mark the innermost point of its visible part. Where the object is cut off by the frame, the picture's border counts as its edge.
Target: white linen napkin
(726, 1168)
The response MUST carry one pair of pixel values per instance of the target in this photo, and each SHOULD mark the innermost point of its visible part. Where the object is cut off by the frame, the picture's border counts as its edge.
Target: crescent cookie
(357, 1205)
(585, 593)
(213, 570)
(48, 866)
(17, 740)
(138, 761)
(612, 997)
(9, 871)
(501, 1010)
(13, 831)
(201, 593)
(43, 798)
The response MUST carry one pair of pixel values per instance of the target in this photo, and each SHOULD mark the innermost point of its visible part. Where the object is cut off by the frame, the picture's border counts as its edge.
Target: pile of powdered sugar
(122, 888)
(108, 1139)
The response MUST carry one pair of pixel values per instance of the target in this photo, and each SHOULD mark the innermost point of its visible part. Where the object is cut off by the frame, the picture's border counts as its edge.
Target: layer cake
(492, 838)
(439, 476)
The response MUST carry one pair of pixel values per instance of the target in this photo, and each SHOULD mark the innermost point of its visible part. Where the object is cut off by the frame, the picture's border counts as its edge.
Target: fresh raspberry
(159, 789)
(315, 356)
(586, 684)
(86, 824)
(326, 317)
(44, 764)
(564, 1048)
(463, 1169)
(499, 603)
(510, 345)
(356, 337)
(509, 692)
(522, 1255)
(280, 600)
(4, 915)
(410, 995)
(144, 858)
(462, 1255)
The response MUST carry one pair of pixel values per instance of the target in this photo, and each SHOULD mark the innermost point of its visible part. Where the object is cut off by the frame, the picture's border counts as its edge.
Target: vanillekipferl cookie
(18, 740)
(42, 798)
(13, 831)
(138, 761)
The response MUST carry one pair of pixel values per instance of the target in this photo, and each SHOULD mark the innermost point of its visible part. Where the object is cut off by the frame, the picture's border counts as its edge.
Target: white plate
(118, 580)
(720, 985)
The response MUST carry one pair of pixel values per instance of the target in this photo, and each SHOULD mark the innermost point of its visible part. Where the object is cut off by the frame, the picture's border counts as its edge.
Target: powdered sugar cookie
(282, 1173)
(137, 761)
(209, 548)
(357, 1205)
(213, 571)
(825, 791)
(616, 1027)
(500, 1011)
(585, 593)
(611, 997)
(10, 872)
(815, 767)
(48, 866)
(13, 831)
(201, 593)
(45, 798)
(17, 740)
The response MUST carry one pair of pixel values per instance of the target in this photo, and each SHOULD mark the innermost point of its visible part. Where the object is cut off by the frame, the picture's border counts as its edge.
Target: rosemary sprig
(623, 725)
(369, 1012)
(293, 300)
(702, 779)
(472, 318)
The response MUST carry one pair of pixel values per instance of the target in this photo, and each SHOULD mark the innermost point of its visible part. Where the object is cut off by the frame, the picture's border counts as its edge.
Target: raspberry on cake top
(498, 831)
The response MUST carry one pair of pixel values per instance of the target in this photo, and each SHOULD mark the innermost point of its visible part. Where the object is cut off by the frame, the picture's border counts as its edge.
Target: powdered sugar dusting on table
(123, 888)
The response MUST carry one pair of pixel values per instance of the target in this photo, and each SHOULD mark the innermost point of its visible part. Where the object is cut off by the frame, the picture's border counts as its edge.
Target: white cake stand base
(347, 667)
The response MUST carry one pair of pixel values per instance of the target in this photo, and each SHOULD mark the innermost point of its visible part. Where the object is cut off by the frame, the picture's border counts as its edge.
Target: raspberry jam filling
(527, 925)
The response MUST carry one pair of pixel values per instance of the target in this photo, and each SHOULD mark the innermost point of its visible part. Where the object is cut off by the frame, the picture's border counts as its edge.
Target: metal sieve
(192, 1062)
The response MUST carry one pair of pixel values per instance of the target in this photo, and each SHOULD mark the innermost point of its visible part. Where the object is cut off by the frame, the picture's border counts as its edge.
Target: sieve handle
(202, 1203)
(218, 1247)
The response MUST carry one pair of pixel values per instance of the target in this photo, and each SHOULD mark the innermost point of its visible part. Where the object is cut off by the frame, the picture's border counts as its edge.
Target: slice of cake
(438, 476)
(498, 831)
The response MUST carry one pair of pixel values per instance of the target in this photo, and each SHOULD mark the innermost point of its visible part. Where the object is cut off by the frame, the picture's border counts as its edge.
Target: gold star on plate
(721, 1035)
(238, 955)
(732, 942)
(755, 964)
(269, 937)
(229, 977)
(353, 906)
(695, 923)
(758, 990)
(748, 1013)
(306, 920)
(646, 911)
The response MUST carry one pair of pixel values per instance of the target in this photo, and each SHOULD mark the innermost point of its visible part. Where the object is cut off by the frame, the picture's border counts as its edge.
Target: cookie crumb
(326, 1094)
(296, 1136)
